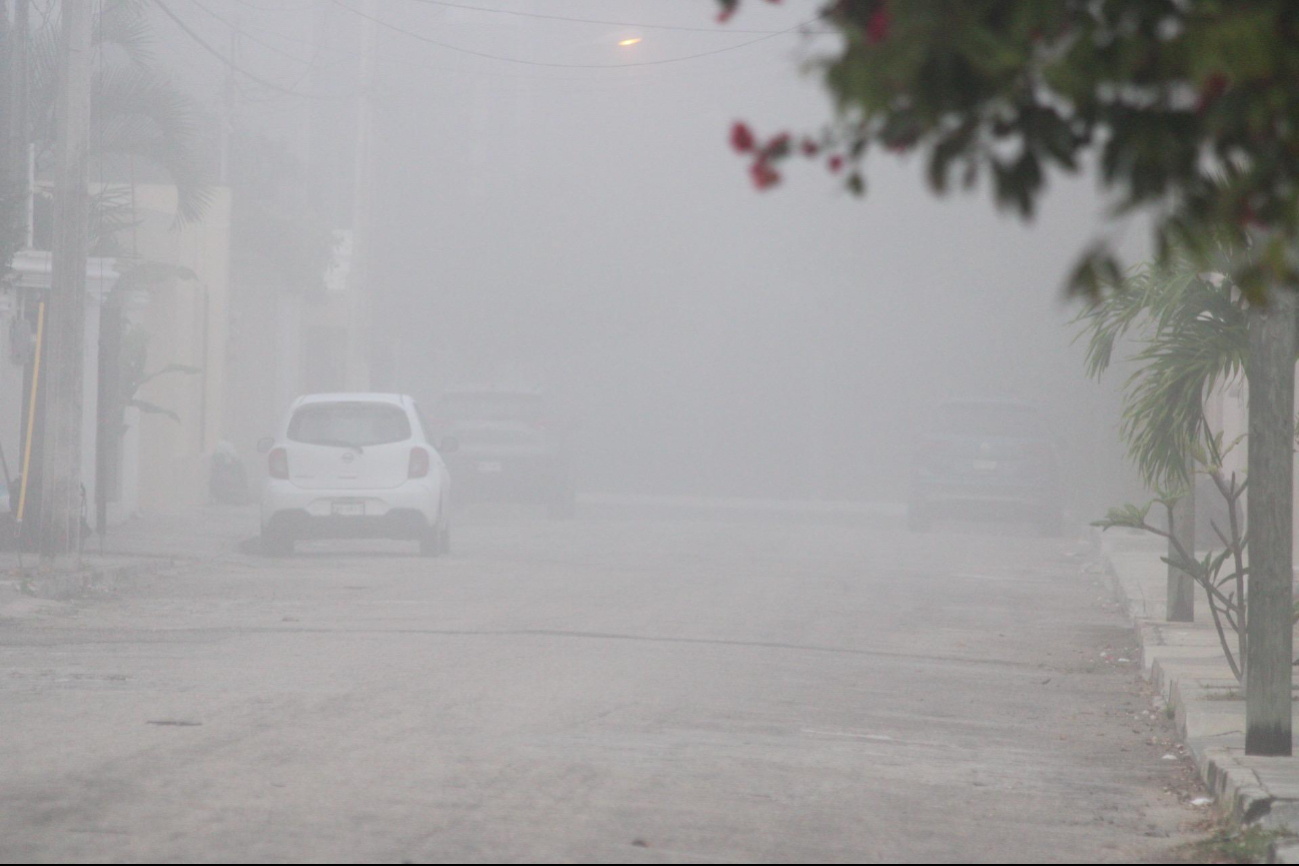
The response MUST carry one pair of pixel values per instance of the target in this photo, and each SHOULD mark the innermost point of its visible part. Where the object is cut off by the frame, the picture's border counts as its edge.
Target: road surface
(595, 690)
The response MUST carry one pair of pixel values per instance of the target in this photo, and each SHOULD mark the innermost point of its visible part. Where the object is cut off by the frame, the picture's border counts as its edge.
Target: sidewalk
(142, 546)
(1185, 662)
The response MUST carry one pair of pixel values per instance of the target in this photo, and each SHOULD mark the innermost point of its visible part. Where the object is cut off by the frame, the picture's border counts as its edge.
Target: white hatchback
(355, 466)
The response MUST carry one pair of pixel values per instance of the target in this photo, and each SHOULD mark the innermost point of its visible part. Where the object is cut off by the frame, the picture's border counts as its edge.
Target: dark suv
(511, 447)
(986, 458)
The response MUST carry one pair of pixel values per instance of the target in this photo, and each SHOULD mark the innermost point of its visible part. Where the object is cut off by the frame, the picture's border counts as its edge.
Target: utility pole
(1181, 586)
(1270, 611)
(60, 524)
(369, 356)
(15, 148)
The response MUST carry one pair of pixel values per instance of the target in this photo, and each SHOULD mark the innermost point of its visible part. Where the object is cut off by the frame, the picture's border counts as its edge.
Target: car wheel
(919, 519)
(430, 542)
(276, 541)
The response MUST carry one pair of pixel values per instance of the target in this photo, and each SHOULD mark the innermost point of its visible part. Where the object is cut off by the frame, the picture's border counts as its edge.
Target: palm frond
(1190, 327)
(136, 112)
(125, 24)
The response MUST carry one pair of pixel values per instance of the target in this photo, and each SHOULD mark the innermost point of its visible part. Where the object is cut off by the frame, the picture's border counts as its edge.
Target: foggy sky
(590, 231)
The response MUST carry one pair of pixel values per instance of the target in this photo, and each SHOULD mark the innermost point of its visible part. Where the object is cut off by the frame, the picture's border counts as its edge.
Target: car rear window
(515, 408)
(974, 419)
(349, 425)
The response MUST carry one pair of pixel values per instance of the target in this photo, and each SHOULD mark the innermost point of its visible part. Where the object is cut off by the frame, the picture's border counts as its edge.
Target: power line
(505, 59)
(607, 22)
(218, 55)
(265, 82)
(249, 36)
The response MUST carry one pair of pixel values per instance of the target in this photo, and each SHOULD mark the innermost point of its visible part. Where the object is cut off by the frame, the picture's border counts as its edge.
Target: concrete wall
(187, 324)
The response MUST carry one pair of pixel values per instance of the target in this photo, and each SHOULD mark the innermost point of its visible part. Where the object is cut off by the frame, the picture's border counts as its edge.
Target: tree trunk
(1271, 466)
(61, 456)
(1181, 586)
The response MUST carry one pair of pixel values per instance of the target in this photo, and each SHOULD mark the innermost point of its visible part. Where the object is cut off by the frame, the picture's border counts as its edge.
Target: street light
(629, 42)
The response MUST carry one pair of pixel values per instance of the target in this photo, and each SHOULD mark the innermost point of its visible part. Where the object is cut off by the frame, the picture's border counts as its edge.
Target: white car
(355, 466)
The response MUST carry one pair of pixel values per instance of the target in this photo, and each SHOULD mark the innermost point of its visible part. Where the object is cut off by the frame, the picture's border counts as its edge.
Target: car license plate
(490, 466)
(348, 509)
(985, 465)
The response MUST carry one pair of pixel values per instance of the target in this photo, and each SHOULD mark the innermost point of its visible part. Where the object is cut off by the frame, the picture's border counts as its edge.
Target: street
(596, 690)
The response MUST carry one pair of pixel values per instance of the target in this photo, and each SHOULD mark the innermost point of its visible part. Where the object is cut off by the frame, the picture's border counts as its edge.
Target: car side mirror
(450, 445)
(264, 444)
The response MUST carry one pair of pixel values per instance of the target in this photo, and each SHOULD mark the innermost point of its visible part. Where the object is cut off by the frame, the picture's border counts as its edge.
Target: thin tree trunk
(61, 456)
(1181, 586)
(1271, 466)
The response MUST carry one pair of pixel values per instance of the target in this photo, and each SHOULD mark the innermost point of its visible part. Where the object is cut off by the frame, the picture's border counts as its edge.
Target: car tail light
(278, 463)
(419, 463)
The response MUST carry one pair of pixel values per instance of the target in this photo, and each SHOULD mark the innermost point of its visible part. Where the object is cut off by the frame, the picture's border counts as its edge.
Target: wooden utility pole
(1270, 626)
(60, 518)
(1181, 586)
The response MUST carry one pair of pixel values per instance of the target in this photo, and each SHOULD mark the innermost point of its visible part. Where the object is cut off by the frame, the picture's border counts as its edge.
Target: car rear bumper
(492, 477)
(401, 511)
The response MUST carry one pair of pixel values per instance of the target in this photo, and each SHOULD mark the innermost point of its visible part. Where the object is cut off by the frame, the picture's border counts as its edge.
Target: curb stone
(1283, 852)
(1188, 670)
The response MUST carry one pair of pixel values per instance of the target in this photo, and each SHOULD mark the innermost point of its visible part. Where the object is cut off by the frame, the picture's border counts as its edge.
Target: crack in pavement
(216, 633)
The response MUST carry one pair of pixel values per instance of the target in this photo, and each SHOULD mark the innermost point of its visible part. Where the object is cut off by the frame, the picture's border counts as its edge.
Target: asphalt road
(595, 690)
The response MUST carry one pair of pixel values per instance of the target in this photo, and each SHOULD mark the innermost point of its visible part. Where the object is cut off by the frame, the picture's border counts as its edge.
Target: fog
(588, 231)
(688, 590)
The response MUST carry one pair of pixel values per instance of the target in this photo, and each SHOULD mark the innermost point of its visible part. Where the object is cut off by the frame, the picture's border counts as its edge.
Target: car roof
(474, 390)
(353, 397)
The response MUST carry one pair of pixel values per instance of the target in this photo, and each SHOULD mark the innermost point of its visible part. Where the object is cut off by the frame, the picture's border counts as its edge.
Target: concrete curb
(1184, 662)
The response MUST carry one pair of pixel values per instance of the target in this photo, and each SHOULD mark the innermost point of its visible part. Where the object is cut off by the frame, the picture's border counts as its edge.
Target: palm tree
(1191, 332)
(137, 116)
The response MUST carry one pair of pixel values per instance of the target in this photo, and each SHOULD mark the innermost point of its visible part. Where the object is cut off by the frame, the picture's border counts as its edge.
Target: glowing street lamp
(626, 43)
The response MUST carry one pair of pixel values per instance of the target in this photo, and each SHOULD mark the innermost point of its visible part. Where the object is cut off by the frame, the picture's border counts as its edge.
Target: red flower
(877, 26)
(836, 163)
(764, 176)
(741, 138)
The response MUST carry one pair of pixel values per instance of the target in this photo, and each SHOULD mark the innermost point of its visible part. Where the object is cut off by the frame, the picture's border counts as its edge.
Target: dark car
(986, 459)
(511, 447)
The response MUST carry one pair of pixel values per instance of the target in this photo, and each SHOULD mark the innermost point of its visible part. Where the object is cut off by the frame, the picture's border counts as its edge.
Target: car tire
(430, 542)
(276, 541)
(919, 519)
(436, 539)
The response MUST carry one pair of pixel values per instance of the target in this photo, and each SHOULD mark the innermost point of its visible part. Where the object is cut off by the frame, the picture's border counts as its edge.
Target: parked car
(355, 466)
(986, 458)
(513, 447)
